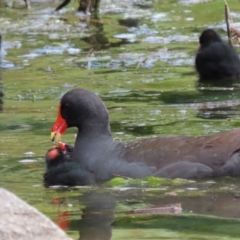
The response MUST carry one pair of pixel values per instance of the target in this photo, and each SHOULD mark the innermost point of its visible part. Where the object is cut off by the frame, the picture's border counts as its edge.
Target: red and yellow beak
(59, 127)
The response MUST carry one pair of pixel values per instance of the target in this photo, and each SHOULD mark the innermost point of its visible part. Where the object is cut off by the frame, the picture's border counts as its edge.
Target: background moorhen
(97, 157)
(216, 60)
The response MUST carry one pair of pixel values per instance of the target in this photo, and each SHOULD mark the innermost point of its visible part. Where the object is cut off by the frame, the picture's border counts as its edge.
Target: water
(145, 75)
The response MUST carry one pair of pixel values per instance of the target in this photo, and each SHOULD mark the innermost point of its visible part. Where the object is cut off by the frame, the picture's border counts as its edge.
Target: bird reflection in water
(96, 218)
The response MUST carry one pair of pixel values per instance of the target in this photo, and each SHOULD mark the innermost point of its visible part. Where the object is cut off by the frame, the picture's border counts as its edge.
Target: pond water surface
(145, 75)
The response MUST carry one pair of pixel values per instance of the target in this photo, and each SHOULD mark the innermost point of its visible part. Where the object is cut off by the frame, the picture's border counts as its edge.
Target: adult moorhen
(97, 157)
(216, 61)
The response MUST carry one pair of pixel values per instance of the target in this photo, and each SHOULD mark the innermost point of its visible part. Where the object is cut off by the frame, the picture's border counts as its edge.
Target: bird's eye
(66, 105)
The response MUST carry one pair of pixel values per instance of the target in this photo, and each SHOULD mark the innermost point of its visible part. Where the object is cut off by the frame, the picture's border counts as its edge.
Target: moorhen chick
(57, 160)
(216, 61)
(97, 157)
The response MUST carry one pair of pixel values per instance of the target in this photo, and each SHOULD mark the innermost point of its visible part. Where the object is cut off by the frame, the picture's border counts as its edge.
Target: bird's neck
(91, 144)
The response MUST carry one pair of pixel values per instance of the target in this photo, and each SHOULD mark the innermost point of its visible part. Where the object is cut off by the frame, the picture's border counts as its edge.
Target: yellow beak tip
(55, 136)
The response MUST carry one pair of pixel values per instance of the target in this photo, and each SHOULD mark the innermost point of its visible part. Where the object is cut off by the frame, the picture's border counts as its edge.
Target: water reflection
(220, 83)
(218, 112)
(98, 40)
(221, 109)
(107, 210)
(97, 216)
